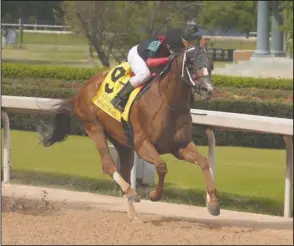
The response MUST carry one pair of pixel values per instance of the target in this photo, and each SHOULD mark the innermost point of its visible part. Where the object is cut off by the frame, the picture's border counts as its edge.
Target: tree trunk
(90, 54)
(102, 56)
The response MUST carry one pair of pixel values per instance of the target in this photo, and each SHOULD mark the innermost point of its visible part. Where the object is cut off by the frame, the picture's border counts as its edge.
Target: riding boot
(120, 99)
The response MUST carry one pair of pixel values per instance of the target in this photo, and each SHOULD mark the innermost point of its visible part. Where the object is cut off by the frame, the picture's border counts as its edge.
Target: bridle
(184, 75)
(185, 70)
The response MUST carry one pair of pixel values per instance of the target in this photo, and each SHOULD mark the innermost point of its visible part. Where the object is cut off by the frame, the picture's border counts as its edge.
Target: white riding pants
(139, 68)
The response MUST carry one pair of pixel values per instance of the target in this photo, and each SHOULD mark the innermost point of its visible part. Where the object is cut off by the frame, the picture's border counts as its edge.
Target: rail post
(288, 177)
(6, 152)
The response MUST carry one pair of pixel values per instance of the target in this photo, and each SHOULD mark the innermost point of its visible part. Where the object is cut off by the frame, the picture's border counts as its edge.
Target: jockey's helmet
(177, 39)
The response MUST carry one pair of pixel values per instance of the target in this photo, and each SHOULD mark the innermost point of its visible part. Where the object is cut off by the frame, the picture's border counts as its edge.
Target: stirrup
(116, 100)
(117, 103)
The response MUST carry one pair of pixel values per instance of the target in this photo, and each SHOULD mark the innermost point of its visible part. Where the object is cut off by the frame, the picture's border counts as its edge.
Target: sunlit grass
(246, 178)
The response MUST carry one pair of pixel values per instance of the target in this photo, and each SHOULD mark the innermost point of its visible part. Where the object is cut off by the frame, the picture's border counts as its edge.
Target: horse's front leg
(190, 153)
(148, 153)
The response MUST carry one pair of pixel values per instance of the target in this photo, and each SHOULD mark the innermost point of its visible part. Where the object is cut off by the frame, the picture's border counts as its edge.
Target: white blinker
(205, 71)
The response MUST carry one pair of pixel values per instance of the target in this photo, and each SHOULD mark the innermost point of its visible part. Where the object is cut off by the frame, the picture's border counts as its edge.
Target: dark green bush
(251, 82)
(10, 70)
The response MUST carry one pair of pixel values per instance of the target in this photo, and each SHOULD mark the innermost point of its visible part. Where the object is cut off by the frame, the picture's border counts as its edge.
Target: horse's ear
(187, 44)
(190, 46)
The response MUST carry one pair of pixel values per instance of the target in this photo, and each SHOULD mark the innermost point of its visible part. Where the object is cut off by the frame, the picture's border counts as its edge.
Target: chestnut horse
(161, 124)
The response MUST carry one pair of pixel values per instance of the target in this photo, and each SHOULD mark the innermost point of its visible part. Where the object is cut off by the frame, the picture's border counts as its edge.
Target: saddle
(113, 83)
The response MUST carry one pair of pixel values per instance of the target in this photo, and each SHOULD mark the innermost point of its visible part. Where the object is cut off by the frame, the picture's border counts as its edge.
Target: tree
(287, 13)
(113, 27)
(29, 10)
(228, 15)
(92, 18)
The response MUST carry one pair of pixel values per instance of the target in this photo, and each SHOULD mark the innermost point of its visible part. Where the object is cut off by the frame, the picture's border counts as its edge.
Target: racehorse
(160, 119)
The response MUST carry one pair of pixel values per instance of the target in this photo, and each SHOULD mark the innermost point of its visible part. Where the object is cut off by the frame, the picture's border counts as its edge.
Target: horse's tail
(57, 131)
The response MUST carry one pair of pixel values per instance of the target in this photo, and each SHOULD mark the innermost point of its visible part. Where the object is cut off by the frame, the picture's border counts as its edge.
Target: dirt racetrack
(35, 215)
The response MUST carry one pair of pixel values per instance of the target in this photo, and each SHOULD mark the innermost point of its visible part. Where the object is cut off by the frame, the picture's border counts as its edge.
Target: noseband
(185, 73)
(185, 76)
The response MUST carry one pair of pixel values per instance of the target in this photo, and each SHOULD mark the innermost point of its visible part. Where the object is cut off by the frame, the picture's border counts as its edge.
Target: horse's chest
(172, 132)
(162, 140)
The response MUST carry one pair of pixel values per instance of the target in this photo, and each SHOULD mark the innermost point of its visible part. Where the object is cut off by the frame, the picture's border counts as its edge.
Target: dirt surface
(31, 221)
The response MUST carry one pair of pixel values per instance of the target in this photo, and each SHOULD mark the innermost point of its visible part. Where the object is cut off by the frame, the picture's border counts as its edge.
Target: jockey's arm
(157, 62)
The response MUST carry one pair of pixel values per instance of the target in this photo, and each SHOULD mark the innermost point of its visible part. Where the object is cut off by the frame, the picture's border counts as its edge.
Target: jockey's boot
(120, 99)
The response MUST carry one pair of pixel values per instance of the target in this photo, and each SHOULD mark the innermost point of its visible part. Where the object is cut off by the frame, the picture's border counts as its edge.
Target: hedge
(11, 70)
(222, 92)
(251, 82)
(266, 108)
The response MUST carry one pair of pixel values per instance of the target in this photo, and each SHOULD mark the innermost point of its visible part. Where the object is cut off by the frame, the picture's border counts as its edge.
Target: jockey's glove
(172, 57)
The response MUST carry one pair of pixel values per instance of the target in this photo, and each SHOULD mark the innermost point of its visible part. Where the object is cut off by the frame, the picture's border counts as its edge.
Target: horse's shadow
(219, 224)
(226, 200)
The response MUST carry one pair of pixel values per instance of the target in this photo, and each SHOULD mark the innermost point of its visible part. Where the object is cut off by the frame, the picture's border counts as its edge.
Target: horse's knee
(203, 163)
(161, 168)
(108, 167)
(211, 190)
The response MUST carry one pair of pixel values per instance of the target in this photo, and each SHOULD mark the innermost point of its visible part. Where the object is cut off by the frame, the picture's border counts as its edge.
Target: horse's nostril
(204, 89)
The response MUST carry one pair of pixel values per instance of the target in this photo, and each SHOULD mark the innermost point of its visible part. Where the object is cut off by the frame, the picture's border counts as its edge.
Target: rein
(180, 75)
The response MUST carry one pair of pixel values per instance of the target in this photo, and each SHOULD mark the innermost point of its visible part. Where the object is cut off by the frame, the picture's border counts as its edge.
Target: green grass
(62, 55)
(47, 52)
(70, 39)
(72, 50)
(246, 179)
(53, 38)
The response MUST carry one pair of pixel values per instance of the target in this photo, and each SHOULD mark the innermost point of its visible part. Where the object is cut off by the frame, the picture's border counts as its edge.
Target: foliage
(252, 82)
(10, 70)
(254, 94)
(113, 27)
(54, 72)
(228, 15)
(29, 11)
(287, 13)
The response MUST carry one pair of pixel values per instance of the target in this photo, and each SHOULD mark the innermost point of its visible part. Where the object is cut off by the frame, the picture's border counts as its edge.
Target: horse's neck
(177, 94)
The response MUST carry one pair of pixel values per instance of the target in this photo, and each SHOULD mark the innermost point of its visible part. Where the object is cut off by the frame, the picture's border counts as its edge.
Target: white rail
(212, 119)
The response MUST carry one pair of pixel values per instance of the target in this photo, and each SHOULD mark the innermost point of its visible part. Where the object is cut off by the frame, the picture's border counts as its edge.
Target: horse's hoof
(214, 210)
(133, 198)
(153, 198)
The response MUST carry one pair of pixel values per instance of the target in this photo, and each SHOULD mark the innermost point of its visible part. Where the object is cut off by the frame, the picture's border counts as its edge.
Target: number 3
(116, 74)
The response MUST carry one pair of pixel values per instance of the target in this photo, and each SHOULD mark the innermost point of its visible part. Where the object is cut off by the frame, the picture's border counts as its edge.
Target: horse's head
(196, 70)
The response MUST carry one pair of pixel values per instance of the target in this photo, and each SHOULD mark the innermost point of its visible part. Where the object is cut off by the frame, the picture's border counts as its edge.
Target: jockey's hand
(172, 57)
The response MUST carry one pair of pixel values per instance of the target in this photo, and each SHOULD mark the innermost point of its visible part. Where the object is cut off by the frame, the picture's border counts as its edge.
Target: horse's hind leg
(96, 133)
(126, 157)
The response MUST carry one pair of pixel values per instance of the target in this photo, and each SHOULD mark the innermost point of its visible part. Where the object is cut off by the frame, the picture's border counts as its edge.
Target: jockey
(151, 53)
